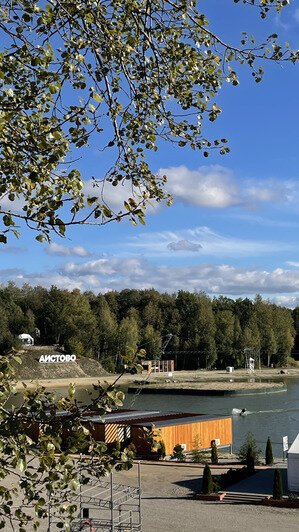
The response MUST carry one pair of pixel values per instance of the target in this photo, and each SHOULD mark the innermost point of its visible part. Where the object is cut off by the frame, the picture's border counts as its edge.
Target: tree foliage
(207, 481)
(269, 453)
(197, 455)
(114, 75)
(204, 332)
(277, 485)
(178, 453)
(250, 459)
(249, 453)
(214, 453)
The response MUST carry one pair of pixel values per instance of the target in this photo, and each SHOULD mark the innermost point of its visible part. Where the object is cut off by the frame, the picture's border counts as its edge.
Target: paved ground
(261, 482)
(168, 504)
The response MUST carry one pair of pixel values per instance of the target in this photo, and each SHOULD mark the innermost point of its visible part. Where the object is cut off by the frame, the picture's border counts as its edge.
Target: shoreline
(190, 380)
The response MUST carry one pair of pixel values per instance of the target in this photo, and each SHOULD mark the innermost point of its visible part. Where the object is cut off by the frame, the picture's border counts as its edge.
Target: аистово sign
(57, 358)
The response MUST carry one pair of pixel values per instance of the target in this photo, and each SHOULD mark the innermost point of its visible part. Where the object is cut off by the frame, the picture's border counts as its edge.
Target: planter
(283, 503)
(210, 497)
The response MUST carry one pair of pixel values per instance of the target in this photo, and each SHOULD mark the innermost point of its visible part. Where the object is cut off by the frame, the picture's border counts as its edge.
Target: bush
(161, 450)
(132, 449)
(207, 481)
(269, 453)
(250, 460)
(250, 441)
(293, 363)
(214, 453)
(197, 455)
(277, 485)
(293, 497)
(178, 454)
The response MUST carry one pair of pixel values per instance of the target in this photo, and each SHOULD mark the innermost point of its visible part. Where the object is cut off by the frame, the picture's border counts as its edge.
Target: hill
(32, 369)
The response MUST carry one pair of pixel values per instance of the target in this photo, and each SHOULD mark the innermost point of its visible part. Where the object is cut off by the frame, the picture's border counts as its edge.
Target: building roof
(294, 449)
(148, 418)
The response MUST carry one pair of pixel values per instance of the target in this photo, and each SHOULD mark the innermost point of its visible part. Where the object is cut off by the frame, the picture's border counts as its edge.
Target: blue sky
(233, 228)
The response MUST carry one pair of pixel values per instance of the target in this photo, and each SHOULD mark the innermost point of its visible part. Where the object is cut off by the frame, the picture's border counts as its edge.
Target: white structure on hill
(26, 339)
(293, 465)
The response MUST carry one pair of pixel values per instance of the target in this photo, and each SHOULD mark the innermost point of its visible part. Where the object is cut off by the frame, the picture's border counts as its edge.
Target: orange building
(171, 427)
(157, 366)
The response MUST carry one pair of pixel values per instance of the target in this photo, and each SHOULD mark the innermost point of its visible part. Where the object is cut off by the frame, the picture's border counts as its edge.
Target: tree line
(199, 331)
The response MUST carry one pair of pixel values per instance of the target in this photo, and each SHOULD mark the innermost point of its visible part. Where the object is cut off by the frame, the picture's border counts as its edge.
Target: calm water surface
(272, 414)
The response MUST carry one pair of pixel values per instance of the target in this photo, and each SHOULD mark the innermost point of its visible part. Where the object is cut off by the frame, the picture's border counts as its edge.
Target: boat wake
(238, 412)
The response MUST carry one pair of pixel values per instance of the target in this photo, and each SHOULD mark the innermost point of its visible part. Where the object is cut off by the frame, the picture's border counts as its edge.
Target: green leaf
(97, 97)
(21, 464)
(41, 238)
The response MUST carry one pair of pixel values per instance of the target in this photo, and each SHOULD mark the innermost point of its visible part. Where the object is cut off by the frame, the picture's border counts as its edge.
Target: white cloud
(113, 274)
(183, 245)
(209, 186)
(296, 14)
(215, 187)
(12, 249)
(271, 193)
(15, 206)
(209, 244)
(292, 263)
(212, 278)
(67, 251)
(286, 301)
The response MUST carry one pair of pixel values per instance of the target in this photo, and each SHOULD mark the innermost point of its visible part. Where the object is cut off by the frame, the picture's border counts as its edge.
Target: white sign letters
(57, 358)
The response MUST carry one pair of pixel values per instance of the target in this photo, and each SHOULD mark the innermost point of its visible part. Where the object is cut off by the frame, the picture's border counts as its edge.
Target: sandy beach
(181, 379)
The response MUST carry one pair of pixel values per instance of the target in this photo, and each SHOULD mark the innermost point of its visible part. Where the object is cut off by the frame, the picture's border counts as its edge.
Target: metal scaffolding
(107, 506)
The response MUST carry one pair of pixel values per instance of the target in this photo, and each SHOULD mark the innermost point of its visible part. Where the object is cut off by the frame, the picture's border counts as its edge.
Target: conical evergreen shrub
(277, 485)
(214, 453)
(250, 460)
(207, 481)
(161, 450)
(269, 453)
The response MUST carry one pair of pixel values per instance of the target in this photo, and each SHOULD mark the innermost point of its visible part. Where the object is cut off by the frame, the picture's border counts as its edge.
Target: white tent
(26, 339)
(293, 465)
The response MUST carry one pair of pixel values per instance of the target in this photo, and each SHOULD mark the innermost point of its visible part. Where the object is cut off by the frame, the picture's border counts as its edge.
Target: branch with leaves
(38, 440)
(114, 75)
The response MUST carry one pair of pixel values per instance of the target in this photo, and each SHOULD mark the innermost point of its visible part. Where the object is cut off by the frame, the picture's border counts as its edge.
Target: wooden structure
(131, 426)
(157, 366)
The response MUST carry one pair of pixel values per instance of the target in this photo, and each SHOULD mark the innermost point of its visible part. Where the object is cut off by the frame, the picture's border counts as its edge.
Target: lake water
(271, 414)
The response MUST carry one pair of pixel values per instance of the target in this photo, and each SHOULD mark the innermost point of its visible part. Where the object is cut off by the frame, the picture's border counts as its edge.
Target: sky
(233, 227)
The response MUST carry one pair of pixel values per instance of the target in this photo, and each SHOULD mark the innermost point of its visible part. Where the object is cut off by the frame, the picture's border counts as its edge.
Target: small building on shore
(133, 426)
(293, 466)
(157, 366)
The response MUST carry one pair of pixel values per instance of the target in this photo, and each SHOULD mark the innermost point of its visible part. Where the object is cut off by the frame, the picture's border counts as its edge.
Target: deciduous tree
(117, 75)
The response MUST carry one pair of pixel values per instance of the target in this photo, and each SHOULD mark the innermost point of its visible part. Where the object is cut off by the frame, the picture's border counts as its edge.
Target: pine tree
(161, 450)
(269, 453)
(214, 453)
(277, 485)
(250, 441)
(250, 460)
(207, 481)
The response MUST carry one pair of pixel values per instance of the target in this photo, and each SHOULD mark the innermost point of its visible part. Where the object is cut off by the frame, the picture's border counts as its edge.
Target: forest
(191, 328)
